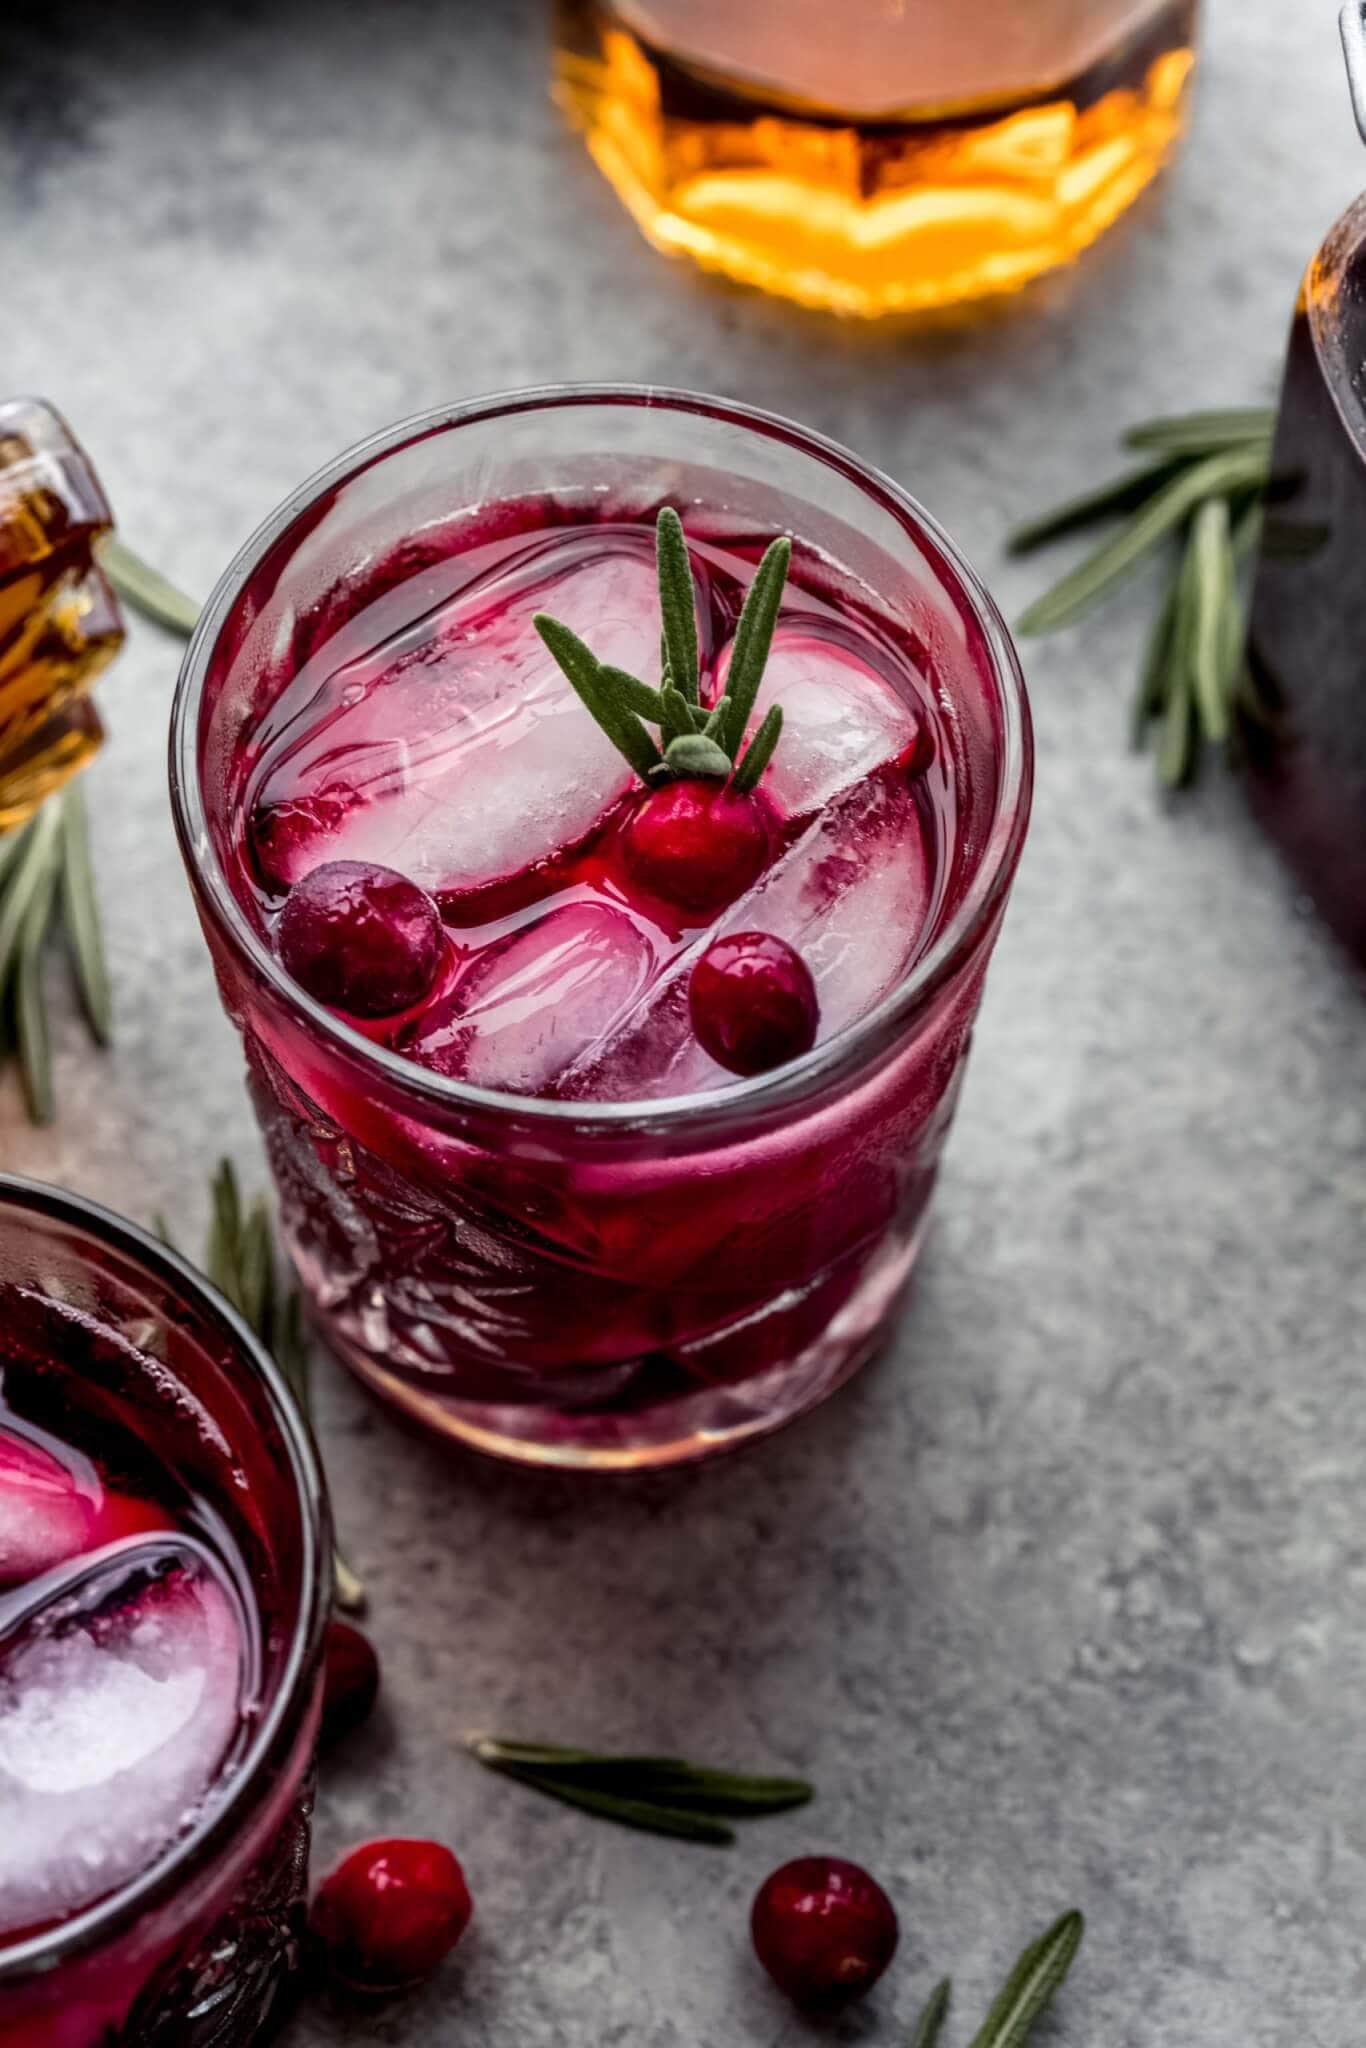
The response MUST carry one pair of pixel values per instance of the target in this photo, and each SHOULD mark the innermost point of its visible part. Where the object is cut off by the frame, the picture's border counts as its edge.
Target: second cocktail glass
(557, 1232)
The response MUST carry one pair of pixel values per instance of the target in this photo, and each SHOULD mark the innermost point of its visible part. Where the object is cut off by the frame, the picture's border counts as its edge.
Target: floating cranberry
(753, 1002)
(350, 1680)
(823, 1929)
(361, 938)
(388, 1914)
(698, 844)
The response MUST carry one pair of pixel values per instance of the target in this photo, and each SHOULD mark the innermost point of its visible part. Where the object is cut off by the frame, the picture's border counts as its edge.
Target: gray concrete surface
(1066, 1600)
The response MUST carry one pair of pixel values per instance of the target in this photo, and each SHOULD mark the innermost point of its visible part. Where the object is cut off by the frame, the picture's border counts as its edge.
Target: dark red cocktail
(162, 1594)
(604, 1073)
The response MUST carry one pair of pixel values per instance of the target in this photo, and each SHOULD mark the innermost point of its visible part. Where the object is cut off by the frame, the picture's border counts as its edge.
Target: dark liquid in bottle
(1308, 632)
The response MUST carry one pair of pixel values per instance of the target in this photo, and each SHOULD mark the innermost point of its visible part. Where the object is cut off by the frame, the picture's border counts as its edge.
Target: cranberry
(350, 1680)
(389, 1912)
(823, 1929)
(753, 1002)
(698, 844)
(361, 938)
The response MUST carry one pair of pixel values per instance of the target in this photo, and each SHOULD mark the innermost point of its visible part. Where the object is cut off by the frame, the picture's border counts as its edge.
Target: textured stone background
(1066, 1600)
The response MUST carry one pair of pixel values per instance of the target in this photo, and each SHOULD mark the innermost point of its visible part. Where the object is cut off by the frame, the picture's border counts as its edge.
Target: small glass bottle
(1306, 747)
(59, 621)
(884, 155)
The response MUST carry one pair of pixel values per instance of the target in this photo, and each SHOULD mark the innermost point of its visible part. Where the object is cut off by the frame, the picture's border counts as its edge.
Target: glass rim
(98, 1925)
(848, 1048)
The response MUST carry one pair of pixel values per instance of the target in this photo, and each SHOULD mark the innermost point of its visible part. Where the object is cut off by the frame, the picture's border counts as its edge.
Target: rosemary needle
(1031, 1985)
(146, 589)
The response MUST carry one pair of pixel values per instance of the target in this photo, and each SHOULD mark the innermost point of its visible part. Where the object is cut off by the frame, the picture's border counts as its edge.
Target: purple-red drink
(159, 1614)
(604, 1100)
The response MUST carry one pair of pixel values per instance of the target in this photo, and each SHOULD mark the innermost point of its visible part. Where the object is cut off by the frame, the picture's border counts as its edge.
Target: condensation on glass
(883, 156)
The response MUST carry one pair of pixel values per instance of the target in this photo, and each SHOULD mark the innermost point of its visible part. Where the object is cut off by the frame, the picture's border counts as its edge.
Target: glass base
(693, 1425)
(875, 218)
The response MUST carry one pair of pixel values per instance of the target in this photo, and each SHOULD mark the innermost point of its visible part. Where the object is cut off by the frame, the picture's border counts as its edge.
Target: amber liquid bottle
(59, 621)
(881, 155)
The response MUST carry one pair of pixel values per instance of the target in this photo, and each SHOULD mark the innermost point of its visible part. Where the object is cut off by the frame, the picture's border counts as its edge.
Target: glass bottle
(59, 621)
(884, 155)
(1306, 747)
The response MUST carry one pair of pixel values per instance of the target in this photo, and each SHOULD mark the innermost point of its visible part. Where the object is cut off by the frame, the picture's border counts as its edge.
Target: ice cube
(851, 894)
(842, 721)
(456, 751)
(51, 1511)
(533, 1002)
(118, 1703)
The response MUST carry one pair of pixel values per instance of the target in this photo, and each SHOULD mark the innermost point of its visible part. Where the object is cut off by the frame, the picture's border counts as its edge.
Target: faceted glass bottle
(884, 156)
(59, 622)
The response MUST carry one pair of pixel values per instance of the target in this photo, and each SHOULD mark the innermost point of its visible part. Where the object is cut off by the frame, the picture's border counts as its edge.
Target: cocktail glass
(595, 1282)
(156, 1724)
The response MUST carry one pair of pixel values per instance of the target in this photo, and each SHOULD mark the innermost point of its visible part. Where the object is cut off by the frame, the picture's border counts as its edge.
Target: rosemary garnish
(1203, 495)
(145, 588)
(47, 885)
(661, 1795)
(695, 739)
(239, 1258)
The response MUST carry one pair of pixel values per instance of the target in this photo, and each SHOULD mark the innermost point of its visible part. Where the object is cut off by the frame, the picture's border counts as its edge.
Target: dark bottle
(1307, 646)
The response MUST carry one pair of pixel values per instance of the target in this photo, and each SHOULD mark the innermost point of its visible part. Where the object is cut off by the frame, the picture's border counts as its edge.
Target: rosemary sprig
(1201, 497)
(239, 1258)
(1031, 1985)
(695, 739)
(146, 589)
(47, 887)
(1229, 473)
(660, 1795)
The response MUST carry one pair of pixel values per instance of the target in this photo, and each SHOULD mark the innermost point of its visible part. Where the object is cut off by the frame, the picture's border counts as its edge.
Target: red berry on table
(752, 1002)
(697, 844)
(350, 1680)
(389, 1913)
(361, 938)
(823, 1929)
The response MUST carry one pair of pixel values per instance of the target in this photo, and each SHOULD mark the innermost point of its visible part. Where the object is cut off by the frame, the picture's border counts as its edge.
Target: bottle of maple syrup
(1306, 747)
(59, 620)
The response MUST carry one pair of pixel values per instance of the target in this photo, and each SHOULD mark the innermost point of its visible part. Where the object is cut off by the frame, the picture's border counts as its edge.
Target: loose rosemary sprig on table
(1200, 496)
(660, 1795)
(47, 888)
(239, 1258)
